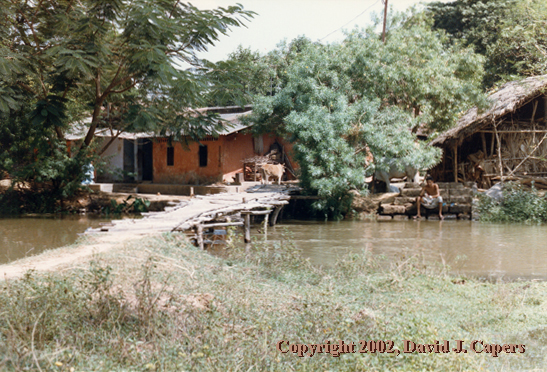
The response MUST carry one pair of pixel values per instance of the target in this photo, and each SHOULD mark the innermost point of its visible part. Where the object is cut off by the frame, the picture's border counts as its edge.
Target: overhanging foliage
(117, 61)
(337, 102)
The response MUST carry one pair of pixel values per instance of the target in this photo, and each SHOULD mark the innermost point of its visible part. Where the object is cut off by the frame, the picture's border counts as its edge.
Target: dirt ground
(67, 257)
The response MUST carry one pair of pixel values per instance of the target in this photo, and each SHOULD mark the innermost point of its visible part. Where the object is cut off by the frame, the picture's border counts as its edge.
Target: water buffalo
(393, 171)
(269, 170)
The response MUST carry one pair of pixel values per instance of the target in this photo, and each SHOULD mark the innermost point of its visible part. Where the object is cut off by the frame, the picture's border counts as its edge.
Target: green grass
(158, 304)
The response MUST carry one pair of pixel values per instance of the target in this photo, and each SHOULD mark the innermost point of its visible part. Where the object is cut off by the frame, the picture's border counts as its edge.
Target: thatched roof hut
(506, 140)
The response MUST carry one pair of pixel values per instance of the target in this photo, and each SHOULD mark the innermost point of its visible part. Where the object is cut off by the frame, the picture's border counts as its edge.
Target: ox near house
(506, 141)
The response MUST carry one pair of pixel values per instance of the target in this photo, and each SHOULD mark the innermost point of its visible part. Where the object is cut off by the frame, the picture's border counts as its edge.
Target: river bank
(156, 303)
(25, 200)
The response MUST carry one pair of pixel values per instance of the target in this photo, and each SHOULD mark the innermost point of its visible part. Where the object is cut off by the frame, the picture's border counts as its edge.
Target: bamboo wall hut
(507, 141)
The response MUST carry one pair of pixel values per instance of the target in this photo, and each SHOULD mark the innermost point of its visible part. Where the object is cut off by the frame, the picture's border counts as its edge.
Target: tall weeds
(161, 305)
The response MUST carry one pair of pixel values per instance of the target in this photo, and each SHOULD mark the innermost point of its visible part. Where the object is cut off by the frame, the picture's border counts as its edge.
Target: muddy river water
(470, 248)
(27, 236)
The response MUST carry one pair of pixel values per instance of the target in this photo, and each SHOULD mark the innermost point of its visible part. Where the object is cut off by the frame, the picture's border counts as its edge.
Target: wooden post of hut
(483, 139)
(498, 140)
(455, 151)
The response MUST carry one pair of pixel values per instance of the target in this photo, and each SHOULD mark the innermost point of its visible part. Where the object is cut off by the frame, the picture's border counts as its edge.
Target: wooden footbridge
(202, 213)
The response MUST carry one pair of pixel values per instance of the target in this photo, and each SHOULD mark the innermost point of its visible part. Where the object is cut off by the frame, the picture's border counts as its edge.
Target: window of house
(202, 155)
(170, 156)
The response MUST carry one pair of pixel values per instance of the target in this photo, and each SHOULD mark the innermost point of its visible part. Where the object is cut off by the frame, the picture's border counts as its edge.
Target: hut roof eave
(507, 99)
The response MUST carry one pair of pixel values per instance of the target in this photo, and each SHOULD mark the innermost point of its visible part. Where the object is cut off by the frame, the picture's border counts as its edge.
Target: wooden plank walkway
(201, 209)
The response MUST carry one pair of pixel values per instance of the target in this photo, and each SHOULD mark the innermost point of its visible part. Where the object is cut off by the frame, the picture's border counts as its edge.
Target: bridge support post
(200, 237)
(247, 238)
(276, 211)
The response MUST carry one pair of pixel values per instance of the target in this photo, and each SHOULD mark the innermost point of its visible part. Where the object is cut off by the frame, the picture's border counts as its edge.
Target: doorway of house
(145, 159)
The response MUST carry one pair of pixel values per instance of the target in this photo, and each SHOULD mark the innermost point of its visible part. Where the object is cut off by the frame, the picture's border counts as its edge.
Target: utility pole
(385, 19)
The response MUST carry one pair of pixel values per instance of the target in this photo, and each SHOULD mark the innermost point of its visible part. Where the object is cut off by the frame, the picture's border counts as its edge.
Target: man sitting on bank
(430, 197)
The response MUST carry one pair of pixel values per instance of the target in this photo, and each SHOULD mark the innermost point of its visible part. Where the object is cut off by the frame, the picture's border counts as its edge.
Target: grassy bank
(158, 304)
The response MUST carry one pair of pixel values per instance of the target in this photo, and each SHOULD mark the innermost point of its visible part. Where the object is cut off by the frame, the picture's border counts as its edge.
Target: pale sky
(286, 19)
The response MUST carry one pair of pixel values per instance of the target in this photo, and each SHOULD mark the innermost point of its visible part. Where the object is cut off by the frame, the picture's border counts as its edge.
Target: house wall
(186, 168)
(113, 162)
(111, 167)
(225, 157)
(238, 147)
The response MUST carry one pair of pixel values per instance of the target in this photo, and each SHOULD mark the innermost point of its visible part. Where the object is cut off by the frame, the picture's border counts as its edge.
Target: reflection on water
(21, 237)
(471, 248)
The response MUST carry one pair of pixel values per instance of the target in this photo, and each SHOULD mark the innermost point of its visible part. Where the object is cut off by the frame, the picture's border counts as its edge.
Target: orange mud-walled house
(211, 159)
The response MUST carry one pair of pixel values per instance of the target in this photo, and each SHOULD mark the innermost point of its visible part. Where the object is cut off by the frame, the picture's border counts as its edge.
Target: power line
(359, 15)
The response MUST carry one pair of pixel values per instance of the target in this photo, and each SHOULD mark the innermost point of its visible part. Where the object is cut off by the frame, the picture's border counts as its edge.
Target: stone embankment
(457, 203)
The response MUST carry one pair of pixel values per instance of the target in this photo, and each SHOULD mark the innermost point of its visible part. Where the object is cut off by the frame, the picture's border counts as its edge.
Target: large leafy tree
(473, 22)
(521, 49)
(112, 57)
(237, 79)
(511, 34)
(337, 102)
(118, 62)
(31, 153)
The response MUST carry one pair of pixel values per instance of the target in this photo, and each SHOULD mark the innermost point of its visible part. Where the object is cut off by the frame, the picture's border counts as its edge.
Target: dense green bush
(517, 205)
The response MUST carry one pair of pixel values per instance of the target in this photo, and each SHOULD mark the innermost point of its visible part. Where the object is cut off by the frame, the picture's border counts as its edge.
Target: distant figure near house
(89, 174)
(269, 170)
(430, 197)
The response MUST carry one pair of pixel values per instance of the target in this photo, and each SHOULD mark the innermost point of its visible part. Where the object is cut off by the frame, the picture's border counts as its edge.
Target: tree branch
(174, 7)
(44, 89)
(69, 6)
(114, 83)
(31, 26)
(99, 99)
(37, 9)
(66, 90)
(94, 122)
(26, 87)
(59, 133)
(98, 85)
(125, 89)
(112, 139)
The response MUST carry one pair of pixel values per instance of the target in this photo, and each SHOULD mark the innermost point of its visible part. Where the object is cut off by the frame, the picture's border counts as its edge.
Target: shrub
(517, 205)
